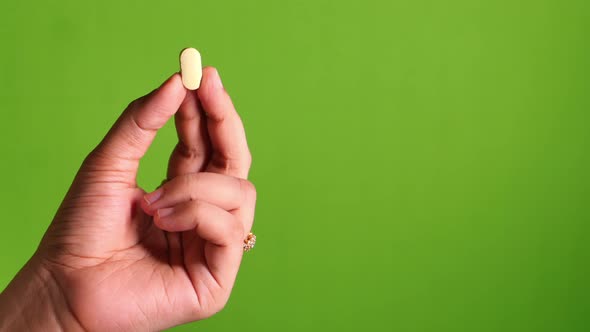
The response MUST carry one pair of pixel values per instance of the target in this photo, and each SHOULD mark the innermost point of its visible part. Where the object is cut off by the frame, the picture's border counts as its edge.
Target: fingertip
(145, 206)
(210, 71)
(157, 107)
(210, 82)
(158, 221)
(163, 222)
(214, 99)
(174, 86)
(171, 91)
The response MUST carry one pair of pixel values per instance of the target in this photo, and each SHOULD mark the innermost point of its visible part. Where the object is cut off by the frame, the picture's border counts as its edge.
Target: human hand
(115, 258)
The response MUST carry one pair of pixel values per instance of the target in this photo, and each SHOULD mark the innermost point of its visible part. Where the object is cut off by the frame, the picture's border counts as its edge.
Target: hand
(115, 258)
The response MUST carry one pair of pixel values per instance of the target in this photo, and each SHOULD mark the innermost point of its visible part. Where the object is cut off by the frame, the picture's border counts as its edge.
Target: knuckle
(248, 187)
(248, 190)
(196, 210)
(186, 186)
(192, 187)
(188, 152)
(236, 230)
(248, 158)
(197, 206)
(243, 159)
(133, 104)
(96, 160)
(230, 162)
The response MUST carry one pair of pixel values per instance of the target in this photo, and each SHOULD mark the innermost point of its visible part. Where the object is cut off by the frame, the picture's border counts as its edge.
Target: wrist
(33, 301)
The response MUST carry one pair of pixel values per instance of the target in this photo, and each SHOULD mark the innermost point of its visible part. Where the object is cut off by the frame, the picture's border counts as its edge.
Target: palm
(149, 273)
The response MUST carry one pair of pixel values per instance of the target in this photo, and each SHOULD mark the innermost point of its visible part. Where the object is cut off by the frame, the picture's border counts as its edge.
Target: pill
(190, 68)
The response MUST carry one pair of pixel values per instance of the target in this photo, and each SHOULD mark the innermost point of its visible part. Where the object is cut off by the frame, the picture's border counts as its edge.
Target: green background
(421, 165)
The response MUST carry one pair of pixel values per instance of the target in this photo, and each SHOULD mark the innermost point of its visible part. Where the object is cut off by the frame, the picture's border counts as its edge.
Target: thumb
(131, 136)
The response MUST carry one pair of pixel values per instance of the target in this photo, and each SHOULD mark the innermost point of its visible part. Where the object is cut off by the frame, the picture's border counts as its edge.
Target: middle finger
(192, 151)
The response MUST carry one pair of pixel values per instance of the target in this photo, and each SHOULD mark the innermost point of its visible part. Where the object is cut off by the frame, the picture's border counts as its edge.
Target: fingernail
(164, 212)
(152, 197)
(217, 81)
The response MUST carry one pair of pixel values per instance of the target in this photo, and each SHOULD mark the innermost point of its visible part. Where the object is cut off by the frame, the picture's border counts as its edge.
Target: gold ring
(249, 242)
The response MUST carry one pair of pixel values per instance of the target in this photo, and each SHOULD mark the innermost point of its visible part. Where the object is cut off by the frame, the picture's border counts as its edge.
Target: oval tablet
(190, 68)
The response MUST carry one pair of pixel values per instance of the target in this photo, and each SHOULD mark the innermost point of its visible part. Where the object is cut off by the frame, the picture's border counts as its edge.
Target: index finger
(230, 153)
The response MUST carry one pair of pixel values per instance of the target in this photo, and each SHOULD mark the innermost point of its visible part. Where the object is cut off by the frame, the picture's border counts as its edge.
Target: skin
(118, 259)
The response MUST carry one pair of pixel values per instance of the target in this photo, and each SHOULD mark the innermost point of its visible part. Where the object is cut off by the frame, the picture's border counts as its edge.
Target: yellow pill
(190, 68)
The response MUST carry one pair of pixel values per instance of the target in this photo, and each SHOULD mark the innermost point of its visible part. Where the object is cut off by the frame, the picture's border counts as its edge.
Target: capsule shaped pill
(190, 68)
